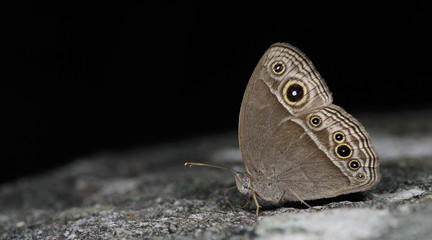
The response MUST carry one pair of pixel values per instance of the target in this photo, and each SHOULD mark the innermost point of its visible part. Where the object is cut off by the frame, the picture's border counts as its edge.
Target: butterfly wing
(264, 104)
(346, 143)
(283, 152)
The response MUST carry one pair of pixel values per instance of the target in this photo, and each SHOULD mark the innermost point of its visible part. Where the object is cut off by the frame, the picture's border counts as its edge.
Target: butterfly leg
(256, 203)
(226, 198)
(299, 198)
(247, 203)
(283, 194)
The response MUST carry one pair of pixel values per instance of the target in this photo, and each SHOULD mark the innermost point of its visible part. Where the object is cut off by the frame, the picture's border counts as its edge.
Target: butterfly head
(243, 182)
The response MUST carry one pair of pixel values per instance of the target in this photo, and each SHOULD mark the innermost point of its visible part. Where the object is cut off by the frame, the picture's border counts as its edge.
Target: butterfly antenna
(190, 164)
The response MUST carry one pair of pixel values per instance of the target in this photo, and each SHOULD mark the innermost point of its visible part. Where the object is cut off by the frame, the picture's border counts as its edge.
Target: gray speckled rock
(148, 193)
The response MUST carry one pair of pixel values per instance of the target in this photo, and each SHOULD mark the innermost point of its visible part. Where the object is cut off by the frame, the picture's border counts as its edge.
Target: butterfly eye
(315, 121)
(338, 137)
(278, 67)
(343, 151)
(354, 164)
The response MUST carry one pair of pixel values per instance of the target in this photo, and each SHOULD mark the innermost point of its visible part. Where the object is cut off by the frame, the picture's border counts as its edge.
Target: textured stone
(148, 193)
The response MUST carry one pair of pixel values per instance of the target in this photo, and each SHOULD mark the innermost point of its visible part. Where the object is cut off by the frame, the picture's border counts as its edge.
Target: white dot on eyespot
(294, 93)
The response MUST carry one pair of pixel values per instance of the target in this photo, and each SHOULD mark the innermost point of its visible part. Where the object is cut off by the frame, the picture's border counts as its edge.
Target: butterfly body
(296, 144)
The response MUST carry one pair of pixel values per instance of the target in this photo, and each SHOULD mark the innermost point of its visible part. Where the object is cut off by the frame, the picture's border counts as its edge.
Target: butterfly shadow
(338, 201)
(352, 197)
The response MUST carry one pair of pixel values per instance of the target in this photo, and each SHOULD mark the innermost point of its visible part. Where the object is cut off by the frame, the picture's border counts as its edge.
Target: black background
(90, 77)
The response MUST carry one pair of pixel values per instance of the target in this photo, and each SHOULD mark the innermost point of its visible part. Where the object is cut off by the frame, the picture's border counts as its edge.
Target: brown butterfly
(296, 145)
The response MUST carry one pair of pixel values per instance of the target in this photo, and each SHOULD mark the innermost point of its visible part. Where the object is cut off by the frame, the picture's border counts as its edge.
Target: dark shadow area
(89, 77)
(353, 197)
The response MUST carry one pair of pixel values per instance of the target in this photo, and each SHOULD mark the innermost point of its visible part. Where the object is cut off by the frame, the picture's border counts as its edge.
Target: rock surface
(148, 193)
